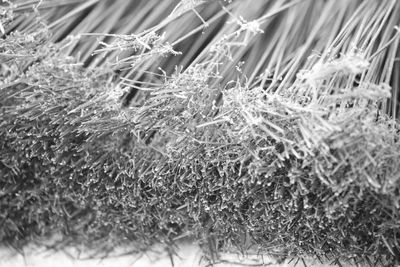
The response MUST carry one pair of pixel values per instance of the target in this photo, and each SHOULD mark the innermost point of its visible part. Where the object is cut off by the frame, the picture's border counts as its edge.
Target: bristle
(251, 126)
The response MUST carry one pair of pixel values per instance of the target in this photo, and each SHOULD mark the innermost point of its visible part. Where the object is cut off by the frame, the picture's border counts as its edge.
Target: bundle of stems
(249, 125)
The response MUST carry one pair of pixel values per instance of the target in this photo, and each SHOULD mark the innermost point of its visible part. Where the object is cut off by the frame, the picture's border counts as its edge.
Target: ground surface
(189, 256)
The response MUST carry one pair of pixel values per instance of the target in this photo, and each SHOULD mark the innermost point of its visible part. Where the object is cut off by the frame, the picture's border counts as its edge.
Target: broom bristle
(251, 126)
